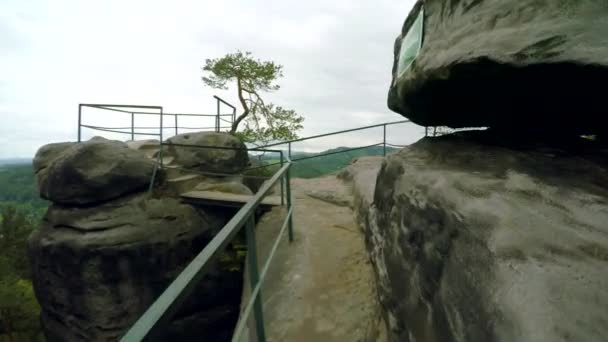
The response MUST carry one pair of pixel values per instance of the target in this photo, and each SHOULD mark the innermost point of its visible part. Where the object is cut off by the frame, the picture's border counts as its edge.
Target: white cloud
(337, 57)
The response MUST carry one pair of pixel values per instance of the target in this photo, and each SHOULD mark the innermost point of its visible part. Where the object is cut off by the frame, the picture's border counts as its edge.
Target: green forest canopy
(18, 188)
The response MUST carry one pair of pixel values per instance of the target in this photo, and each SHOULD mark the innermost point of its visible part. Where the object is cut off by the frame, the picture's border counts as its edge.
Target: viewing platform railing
(222, 121)
(151, 325)
(154, 321)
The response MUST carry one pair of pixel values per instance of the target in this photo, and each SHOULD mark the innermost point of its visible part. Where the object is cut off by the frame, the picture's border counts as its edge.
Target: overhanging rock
(514, 64)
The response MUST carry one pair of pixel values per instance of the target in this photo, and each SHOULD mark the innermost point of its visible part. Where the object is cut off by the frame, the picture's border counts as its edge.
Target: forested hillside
(18, 188)
(20, 212)
(311, 165)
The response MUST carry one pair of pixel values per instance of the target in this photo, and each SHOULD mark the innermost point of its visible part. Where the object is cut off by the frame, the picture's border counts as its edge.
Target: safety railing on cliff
(221, 120)
(151, 325)
(384, 143)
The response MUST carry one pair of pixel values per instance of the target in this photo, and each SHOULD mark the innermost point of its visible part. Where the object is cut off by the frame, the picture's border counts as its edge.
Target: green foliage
(282, 125)
(19, 310)
(15, 227)
(264, 122)
(252, 73)
(18, 188)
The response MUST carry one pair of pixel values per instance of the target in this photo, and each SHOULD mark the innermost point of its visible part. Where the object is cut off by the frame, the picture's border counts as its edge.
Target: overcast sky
(337, 57)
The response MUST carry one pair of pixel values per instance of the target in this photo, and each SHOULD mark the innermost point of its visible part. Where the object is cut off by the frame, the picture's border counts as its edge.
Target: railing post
(289, 203)
(254, 277)
(79, 121)
(217, 118)
(160, 151)
(132, 126)
(176, 124)
(384, 141)
(289, 150)
(282, 181)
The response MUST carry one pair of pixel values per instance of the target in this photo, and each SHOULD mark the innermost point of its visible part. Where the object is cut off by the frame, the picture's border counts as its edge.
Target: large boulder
(90, 172)
(215, 152)
(150, 147)
(48, 153)
(530, 65)
(97, 269)
(361, 175)
(475, 240)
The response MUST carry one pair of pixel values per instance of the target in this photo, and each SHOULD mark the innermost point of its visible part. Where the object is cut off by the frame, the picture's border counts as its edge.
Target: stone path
(320, 287)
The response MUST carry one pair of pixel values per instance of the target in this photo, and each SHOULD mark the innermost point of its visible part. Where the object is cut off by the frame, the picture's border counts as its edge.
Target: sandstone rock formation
(361, 175)
(472, 240)
(90, 172)
(107, 248)
(231, 187)
(97, 269)
(150, 147)
(529, 65)
(47, 153)
(208, 159)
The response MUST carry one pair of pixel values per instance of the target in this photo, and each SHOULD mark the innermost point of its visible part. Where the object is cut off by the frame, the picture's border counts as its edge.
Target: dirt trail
(320, 288)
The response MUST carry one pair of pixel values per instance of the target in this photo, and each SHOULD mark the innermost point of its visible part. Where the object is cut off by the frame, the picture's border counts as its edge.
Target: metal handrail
(159, 314)
(255, 293)
(220, 101)
(156, 318)
(158, 110)
(337, 152)
(151, 324)
(336, 133)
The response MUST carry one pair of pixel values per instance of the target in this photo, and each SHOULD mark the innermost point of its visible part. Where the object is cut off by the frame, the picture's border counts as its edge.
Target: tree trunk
(235, 124)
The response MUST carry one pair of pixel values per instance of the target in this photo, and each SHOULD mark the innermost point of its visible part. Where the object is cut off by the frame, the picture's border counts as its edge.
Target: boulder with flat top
(477, 236)
(208, 152)
(528, 66)
(90, 172)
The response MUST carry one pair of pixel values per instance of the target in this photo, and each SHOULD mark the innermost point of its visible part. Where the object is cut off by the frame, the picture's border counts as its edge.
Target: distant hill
(15, 161)
(311, 165)
(316, 164)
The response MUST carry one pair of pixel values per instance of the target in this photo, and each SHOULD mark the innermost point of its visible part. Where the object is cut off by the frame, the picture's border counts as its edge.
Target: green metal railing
(222, 120)
(151, 325)
(383, 143)
(154, 321)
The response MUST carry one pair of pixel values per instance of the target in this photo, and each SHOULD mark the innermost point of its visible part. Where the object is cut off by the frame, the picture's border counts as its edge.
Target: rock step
(224, 199)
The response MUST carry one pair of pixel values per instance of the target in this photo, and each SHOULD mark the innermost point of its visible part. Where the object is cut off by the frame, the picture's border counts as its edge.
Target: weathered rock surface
(90, 172)
(473, 241)
(520, 64)
(97, 269)
(208, 159)
(150, 147)
(232, 187)
(328, 189)
(48, 153)
(361, 175)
